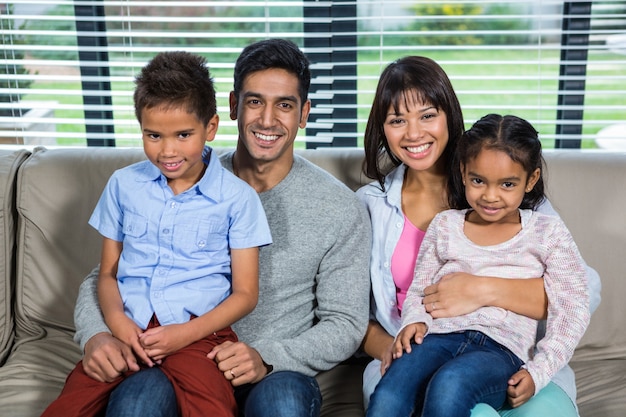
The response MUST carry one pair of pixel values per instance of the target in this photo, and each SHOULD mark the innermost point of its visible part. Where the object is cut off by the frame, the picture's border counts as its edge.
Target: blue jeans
(280, 394)
(149, 393)
(146, 393)
(447, 375)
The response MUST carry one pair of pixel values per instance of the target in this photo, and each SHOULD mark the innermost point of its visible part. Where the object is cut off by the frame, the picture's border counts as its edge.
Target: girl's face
(495, 186)
(418, 134)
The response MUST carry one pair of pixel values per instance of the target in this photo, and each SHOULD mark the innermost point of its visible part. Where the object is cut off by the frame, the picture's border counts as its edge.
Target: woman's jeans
(447, 375)
(149, 393)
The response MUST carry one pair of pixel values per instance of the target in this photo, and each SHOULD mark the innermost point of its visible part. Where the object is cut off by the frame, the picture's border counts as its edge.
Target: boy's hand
(125, 329)
(413, 332)
(521, 388)
(159, 342)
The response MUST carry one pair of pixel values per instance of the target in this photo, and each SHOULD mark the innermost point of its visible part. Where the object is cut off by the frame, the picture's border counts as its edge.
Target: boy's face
(269, 112)
(173, 141)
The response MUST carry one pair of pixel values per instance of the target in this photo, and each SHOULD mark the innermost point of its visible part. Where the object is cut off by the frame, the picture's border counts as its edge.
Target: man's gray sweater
(313, 280)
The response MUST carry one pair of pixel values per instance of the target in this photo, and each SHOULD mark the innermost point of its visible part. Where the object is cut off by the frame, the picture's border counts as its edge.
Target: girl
(452, 364)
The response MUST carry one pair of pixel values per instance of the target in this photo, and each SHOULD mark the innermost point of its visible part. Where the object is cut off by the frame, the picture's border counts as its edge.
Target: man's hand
(106, 358)
(454, 295)
(521, 388)
(240, 363)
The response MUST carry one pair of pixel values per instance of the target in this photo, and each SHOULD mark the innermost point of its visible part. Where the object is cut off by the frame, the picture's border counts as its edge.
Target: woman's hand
(454, 295)
(386, 358)
(461, 293)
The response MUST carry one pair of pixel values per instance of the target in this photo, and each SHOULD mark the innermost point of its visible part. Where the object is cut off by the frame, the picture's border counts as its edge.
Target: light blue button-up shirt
(176, 260)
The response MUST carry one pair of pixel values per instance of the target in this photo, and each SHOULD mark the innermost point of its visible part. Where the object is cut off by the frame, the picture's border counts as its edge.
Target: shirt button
(201, 243)
(173, 204)
(166, 231)
(386, 264)
(398, 225)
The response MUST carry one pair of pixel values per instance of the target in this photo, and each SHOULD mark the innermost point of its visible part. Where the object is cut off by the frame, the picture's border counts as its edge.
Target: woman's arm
(377, 341)
(462, 293)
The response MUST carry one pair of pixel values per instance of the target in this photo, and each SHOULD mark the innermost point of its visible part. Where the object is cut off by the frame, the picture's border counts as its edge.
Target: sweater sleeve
(342, 289)
(88, 317)
(565, 282)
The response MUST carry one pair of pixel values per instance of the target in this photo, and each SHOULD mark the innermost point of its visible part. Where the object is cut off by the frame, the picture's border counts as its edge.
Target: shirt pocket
(210, 236)
(135, 225)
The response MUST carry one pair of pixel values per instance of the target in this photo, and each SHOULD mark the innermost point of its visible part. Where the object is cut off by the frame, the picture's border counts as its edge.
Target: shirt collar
(209, 184)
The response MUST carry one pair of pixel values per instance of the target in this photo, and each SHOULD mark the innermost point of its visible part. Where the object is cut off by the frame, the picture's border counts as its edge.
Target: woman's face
(417, 134)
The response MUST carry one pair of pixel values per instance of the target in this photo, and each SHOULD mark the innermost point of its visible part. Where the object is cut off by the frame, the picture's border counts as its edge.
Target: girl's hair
(411, 75)
(512, 135)
(176, 79)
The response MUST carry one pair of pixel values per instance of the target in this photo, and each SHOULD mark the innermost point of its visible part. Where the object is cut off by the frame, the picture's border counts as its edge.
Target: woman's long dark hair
(428, 81)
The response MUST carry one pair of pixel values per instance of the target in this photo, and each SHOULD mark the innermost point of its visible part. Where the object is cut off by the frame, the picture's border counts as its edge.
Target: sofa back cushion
(588, 189)
(57, 191)
(9, 163)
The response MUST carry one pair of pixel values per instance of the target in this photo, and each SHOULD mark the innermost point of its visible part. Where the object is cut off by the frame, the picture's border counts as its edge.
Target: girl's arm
(456, 295)
(161, 341)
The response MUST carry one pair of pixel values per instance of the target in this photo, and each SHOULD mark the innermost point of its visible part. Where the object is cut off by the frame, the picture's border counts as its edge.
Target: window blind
(67, 67)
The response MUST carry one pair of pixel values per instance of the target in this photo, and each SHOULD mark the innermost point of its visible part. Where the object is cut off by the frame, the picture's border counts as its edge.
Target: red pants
(200, 387)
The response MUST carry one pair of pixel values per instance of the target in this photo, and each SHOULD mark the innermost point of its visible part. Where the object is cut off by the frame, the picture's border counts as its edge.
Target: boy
(180, 251)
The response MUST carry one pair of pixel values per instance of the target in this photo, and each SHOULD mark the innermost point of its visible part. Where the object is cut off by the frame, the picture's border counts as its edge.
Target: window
(67, 67)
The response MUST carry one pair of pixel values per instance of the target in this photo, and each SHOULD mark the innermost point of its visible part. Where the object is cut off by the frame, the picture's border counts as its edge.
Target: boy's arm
(110, 300)
(161, 341)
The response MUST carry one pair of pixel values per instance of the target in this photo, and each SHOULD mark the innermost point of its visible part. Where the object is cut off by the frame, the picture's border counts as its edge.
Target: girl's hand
(159, 342)
(521, 388)
(414, 332)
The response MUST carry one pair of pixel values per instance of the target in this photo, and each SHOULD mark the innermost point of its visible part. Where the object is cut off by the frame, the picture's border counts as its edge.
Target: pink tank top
(403, 259)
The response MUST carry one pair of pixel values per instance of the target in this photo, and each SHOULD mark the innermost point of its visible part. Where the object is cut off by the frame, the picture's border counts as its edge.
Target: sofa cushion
(9, 164)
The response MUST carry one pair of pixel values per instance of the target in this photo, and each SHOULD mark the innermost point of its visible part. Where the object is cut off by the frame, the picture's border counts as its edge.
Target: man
(314, 279)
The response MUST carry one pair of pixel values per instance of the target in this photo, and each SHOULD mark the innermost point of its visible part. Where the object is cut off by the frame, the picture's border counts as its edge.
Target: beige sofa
(47, 248)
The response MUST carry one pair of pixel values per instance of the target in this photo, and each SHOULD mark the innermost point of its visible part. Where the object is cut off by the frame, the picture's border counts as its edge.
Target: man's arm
(105, 357)
(88, 317)
(342, 295)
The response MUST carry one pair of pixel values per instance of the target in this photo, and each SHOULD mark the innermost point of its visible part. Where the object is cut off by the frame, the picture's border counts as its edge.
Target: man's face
(269, 112)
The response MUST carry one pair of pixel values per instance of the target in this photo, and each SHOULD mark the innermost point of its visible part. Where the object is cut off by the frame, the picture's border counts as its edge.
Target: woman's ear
(532, 180)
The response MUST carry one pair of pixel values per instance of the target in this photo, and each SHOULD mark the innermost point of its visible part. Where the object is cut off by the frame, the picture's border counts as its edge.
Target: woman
(414, 125)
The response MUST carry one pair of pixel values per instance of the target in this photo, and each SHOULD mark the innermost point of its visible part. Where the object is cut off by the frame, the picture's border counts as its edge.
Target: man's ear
(232, 101)
(532, 180)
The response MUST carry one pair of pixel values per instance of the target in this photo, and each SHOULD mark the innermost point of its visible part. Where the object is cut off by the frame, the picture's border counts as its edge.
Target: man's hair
(270, 54)
(176, 79)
